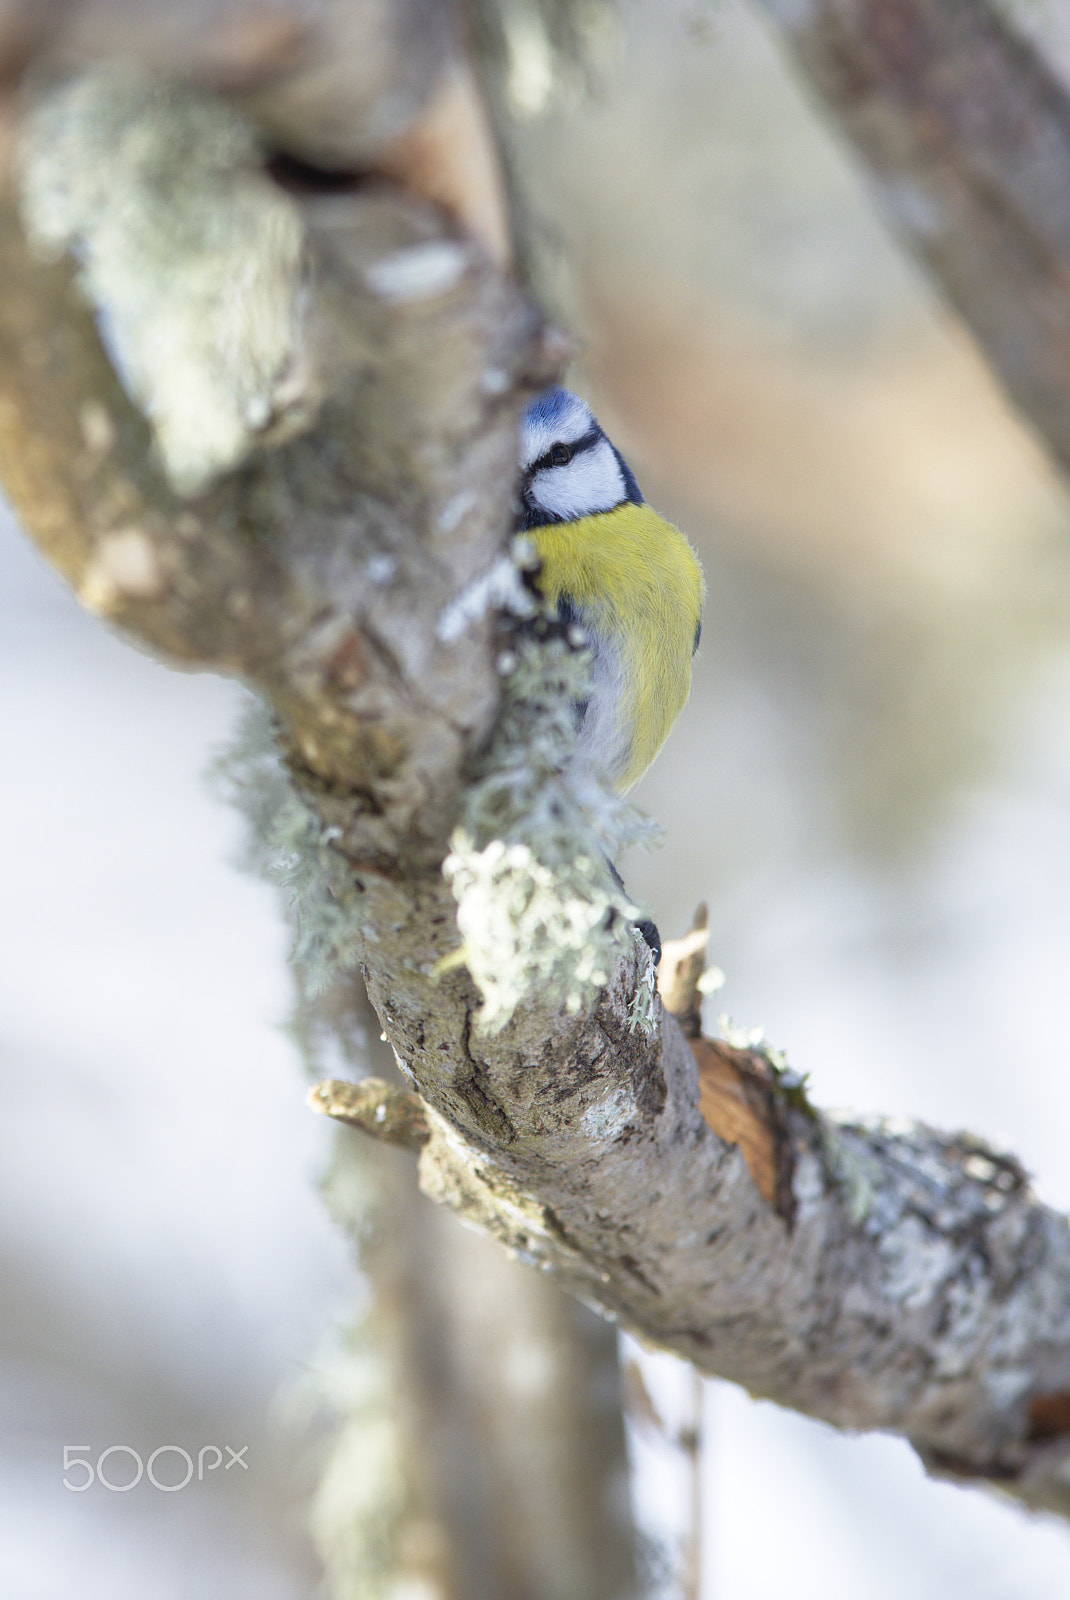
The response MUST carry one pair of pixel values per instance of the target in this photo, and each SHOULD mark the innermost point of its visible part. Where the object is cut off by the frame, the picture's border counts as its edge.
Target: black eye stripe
(587, 442)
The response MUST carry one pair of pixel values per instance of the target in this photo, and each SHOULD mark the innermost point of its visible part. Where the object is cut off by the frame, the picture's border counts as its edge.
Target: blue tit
(610, 563)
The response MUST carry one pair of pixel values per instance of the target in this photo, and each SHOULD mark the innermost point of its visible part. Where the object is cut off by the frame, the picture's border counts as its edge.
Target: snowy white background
(167, 1265)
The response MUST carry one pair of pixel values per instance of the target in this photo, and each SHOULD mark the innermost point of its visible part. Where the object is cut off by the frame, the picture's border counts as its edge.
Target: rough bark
(876, 1276)
(484, 1452)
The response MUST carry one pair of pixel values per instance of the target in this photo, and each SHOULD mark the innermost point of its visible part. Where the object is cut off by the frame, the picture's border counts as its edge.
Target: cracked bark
(502, 1397)
(878, 1276)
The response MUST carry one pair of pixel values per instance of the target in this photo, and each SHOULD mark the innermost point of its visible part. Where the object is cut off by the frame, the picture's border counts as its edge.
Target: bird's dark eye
(561, 455)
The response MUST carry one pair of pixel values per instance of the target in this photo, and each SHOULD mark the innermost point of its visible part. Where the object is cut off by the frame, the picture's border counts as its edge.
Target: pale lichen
(643, 1009)
(124, 566)
(538, 908)
(191, 257)
(607, 1119)
(419, 273)
(290, 844)
(855, 1169)
(528, 925)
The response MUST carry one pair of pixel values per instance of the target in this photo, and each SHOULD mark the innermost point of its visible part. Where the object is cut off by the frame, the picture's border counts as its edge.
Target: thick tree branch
(320, 573)
(877, 1277)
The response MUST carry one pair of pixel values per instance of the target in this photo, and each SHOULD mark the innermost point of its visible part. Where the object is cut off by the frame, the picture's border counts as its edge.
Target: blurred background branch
(964, 128)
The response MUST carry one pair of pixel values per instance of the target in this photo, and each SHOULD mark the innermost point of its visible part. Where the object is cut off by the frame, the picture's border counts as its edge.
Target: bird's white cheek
(557, 491)
(592, 483)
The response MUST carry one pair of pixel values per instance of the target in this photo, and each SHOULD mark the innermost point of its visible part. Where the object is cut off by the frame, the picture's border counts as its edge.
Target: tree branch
(966, 131)
(875, 1276)
(321, 572)
(375, 1107)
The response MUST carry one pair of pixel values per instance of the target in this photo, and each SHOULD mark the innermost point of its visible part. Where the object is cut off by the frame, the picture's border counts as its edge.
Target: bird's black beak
(525, 514)
(529, 514)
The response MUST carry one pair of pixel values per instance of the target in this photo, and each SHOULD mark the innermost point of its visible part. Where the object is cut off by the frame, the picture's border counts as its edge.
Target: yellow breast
(638, 588)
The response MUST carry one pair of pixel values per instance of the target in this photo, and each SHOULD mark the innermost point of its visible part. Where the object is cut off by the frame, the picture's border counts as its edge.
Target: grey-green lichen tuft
(192, 259)
(289, 844)
(538, 909)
